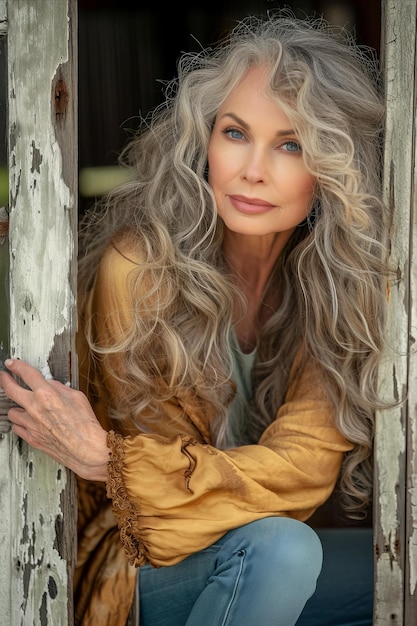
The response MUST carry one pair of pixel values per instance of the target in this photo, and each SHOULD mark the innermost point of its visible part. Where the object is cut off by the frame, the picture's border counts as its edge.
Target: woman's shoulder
(124, 250)
(121, 257)
(113, 287)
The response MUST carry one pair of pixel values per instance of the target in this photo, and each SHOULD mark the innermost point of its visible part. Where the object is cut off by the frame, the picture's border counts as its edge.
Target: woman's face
(256, 168)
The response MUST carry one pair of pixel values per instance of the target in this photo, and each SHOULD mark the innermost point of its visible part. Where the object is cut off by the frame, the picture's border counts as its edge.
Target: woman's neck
(253, 258)
(253, 261)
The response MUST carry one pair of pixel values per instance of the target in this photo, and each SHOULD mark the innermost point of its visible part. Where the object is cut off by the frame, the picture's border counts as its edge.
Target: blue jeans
(261, 574)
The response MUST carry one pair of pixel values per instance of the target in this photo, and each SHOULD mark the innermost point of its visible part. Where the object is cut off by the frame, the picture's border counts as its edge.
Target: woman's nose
(254, 167)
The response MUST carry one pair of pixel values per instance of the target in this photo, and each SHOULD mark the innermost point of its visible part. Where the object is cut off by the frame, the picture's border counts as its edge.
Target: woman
(225, 345)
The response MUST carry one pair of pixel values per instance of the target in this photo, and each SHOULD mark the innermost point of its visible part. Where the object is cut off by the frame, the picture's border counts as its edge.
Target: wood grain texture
(37, 549)
(395, 511)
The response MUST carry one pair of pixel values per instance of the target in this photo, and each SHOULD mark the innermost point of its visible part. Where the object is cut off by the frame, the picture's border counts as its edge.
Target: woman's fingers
(13, 390)
(57, 420)
(17, 416)
(29, 375)
(33, 381)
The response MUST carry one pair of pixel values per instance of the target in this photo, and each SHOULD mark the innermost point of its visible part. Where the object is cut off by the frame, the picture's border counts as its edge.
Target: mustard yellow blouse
(172, 493)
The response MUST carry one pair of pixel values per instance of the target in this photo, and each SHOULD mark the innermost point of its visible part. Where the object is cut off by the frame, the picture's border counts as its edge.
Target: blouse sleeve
(174, 494)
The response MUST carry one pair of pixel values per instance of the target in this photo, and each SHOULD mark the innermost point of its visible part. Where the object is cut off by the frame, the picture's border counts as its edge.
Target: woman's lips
(251, 206)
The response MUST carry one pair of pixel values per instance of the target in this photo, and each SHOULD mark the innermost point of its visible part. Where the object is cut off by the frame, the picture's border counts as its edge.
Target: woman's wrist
(96, 467)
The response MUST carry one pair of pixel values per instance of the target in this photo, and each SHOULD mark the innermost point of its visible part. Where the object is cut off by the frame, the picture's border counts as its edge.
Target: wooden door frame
(395, 494)
(37, 527)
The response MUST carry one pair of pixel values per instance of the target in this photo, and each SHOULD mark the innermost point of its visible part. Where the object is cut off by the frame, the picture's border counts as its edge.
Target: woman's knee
(290, 542)
(281, 542)
(276, 560)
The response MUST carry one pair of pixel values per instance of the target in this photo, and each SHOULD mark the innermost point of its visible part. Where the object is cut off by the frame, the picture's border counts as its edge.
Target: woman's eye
(233, 133)
(291, 146)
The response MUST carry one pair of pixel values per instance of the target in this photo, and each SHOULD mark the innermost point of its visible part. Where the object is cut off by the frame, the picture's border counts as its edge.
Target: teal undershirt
(242, 376)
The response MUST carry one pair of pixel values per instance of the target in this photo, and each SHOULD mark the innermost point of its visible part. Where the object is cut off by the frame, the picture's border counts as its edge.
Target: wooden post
(37, 525)
(396, 442)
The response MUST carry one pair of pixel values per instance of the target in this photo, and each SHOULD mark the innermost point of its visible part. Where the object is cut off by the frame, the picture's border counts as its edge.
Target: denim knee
(280, 544)
(282, 534)
(270, 567)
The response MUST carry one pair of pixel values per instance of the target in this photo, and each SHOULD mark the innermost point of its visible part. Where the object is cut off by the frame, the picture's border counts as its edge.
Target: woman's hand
(57, 420)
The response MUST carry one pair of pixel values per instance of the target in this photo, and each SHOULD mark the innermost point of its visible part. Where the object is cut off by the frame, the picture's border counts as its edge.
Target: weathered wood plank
(392, 499)
(3, 17)
(410, 608)
(38, 534)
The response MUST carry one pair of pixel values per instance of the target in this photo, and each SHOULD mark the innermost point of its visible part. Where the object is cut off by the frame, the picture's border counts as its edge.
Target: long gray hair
(331, 277)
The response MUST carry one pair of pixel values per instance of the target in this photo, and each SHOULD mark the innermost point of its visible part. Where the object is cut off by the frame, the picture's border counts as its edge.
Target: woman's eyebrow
(280, 133)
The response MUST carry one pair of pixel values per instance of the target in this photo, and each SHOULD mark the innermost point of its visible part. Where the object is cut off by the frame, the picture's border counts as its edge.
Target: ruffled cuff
(124, 509)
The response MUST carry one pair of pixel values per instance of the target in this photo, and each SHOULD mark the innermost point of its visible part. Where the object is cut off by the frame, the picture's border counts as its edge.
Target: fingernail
(8, 362)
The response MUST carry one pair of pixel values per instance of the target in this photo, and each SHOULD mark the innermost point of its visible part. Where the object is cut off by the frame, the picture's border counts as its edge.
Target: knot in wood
(61, 98)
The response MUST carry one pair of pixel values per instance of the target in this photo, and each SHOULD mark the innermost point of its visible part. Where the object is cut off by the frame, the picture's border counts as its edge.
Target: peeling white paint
(42, 306)
(42, 194)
